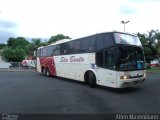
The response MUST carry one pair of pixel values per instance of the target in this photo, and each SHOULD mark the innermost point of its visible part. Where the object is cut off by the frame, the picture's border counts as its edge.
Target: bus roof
(67, 40)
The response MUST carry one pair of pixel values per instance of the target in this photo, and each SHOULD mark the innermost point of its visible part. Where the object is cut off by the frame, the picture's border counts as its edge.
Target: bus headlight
(124, 77)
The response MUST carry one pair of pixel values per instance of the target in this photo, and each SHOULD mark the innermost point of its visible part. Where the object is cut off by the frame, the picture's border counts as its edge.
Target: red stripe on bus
(48, 62)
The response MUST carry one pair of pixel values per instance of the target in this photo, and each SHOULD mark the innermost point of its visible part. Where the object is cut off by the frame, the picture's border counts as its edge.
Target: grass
(153, 70)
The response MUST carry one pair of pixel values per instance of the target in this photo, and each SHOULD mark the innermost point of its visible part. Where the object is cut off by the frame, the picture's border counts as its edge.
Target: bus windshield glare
(121, 38)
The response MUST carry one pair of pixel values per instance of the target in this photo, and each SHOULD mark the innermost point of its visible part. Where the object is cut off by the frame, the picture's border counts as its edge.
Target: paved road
(30, 92)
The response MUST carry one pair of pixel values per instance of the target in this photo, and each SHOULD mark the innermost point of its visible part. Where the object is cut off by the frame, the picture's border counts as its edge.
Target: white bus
(111, 59)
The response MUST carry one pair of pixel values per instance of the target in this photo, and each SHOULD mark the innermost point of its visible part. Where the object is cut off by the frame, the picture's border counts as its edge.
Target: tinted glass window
(56, 50)
(88, 44)
(49, 51)
(74, 46)
(65, 48)
(110, 58)
(42, 52)
(104, 40)
(45, 51)
(99, 58)
(106, 58)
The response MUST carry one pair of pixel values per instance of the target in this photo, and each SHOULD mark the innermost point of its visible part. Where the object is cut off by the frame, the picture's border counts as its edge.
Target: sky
(75, 18)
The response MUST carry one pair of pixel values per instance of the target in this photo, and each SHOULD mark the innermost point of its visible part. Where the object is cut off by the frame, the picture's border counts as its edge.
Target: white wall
(4, 65)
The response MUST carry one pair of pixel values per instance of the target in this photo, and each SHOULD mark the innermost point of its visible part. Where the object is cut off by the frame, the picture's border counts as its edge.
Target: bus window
(43, 52)
(56, 50)
(49, 51)
(65, 48)
(74, 46)
(106, 58)
(109, 58)
(104, 41)
(99, 59)
(88, 44)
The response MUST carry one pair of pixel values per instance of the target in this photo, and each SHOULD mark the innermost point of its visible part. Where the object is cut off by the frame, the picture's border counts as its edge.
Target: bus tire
(47, 72)
(43, 71)
(92, 80)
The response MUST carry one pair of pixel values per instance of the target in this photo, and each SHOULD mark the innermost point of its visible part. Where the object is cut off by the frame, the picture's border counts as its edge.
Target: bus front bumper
(130, 82)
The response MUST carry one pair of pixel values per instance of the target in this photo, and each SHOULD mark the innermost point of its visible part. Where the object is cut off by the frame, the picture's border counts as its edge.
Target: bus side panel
(106, 77)
(73, 66)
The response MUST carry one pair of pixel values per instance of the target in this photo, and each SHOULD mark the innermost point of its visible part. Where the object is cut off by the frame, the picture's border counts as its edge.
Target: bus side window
(65, 48)
(99, 59)
(110, 58)
(56, 50)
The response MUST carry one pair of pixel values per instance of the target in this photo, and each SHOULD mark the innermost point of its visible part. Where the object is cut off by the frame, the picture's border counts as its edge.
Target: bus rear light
(124, 77)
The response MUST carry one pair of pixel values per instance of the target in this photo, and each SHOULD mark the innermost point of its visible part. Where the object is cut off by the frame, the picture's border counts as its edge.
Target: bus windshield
(131, 58)
(121, 38)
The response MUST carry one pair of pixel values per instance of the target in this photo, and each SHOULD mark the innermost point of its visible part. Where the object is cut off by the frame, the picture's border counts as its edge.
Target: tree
(20, 41)
(2, 46)
(10, 42)
(147, 51)
(158, 51)
(148, 40)
(148, 54)
(17, 42)
(157, 34)
(36, 42)
(151, 37)
(30, 48)
(142, 38)
(58, 37)
(17, 49)
(13, 55)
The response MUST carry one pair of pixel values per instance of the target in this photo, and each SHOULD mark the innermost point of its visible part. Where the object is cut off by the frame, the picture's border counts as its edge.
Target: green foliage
(36, 42)
(151, 47)
(158, 51)
(10, 42)
(17, 49)
(57, 37)
(2, 46)
(43, 44)
(147, 51)
(14, 55)
(148, 54)
(30, 48)
(17, 42)
(154, 50)
(142, 38)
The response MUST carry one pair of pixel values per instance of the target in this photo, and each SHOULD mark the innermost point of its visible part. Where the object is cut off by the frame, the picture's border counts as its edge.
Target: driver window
(110, 58)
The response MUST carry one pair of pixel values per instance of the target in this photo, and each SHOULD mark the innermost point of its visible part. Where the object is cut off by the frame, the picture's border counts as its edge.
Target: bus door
(105, 61)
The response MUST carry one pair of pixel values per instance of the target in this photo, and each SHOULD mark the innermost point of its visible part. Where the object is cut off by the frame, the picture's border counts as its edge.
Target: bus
(113, 59)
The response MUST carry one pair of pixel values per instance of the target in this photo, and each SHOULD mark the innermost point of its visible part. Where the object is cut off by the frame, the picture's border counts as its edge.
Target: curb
(16, 70)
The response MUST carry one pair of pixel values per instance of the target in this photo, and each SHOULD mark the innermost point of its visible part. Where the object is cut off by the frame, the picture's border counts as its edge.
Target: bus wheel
(47, 72)
(43, 71)
(92, 80)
